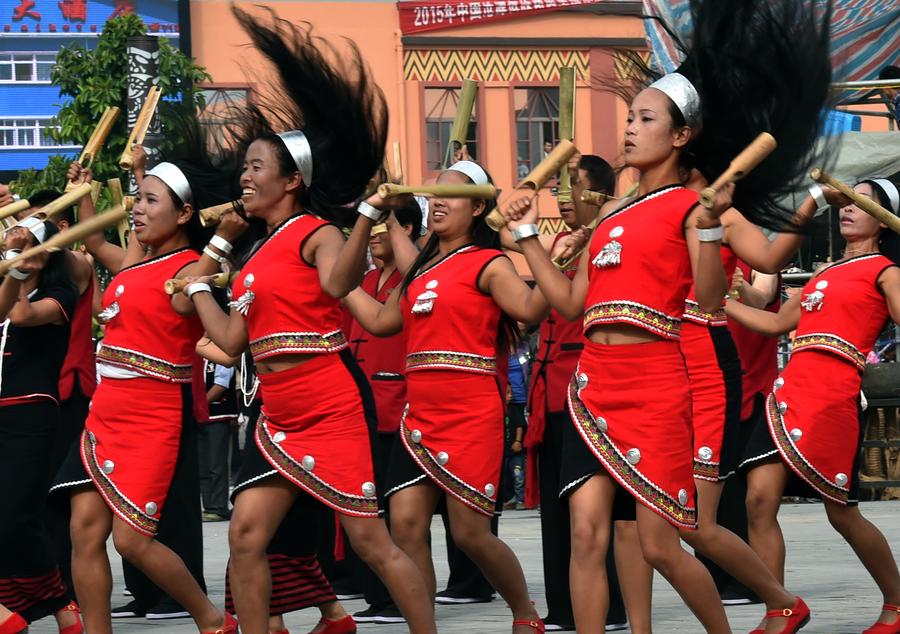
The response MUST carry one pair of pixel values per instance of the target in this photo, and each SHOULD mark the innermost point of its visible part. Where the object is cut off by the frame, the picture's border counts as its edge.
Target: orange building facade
(515, 61)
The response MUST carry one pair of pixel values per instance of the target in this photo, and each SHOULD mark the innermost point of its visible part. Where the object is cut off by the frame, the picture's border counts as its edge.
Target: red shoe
(887, 628)
(229, 626)
(345, 625)
(76, 627)
(14, 624)
(284, 631)
(536, 624)
(797, 617)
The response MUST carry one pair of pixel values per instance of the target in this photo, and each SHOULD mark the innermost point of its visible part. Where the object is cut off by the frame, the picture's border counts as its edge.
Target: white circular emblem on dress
(248, 280)
(581, 380)
(682, 497)
(108, 466)
(119, 290)
(705, 453)
(151, 508)
(633, 456)
(489, 490)
(279, 436)
(431, 285)
(796, 434)
(841, 479)
(782, 407)
(368, 489)
(416, 436)
(615, 232)
(309, 463)
(601, 423)
(779, 383)
(821, 285)
(443, 458)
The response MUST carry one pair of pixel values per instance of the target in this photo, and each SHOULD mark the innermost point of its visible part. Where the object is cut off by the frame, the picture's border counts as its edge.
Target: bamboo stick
(389, 190)
(68, 199)
(865, 203)
(220, 280)
(141, 125)
(743, 163)
(212, 215)
(461, 121)
(566, 127)
(13, 208)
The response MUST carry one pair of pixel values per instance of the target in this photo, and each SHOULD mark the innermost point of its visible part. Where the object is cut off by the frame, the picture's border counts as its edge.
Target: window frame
(36, 64)
(10, 124)
(480, 129)
(514, 136)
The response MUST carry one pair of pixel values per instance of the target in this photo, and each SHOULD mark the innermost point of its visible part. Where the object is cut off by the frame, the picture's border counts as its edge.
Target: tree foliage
(90, 80)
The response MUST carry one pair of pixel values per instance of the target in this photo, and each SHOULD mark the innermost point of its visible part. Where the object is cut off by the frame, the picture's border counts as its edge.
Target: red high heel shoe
(229, 626)
(536, 624)
(77, 627)
(14, 624)
(345, 625)
(887, 628)
(797, 617)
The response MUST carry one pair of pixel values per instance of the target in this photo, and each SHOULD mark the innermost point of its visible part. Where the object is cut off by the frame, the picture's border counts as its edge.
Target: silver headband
(298, 146)
(471, 169)
(892, 193)
(36, 227)
(174, 179)
(679, 89)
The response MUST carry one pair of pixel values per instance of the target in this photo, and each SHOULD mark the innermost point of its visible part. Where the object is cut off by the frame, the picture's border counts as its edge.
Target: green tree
(91, 80)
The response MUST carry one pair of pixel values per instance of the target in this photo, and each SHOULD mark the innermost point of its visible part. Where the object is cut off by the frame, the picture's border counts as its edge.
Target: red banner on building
(417, 16)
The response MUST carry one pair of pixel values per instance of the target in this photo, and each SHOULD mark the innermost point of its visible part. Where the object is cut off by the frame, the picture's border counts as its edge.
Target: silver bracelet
(16, 274)
(221, 244)
(372, 213)
(197, 287)
(710, 235)
(525, 231)
(215, 256)
(12, 254)
(818, 194)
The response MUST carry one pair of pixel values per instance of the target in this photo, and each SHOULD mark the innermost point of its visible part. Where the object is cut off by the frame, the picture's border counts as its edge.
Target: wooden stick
(595, 198)
(13, 208)
(388, 190)
(68, 199)
(541, 173)
(461, 121)
(141, 125)
(865, 203)
(117, 197)
(220, 280)
(566, 127)
(98, 137)
(62, 240)
(743, 163)
(398, 165)
(212, 215)
(378, 229)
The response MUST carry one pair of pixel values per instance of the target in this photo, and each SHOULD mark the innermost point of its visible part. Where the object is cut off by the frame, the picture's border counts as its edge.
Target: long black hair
(758, 66)
(56, 270)
(889, 240)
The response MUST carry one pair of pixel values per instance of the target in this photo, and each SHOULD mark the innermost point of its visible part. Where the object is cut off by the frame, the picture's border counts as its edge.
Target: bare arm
(211, 352)
(403, 246)
(710, 284)
(227, 331)
(511, 294)
(382, 320)
(761, 292)
(752, 246)
(763, 321)
(108, 254)
(40, 313)
(889, 283)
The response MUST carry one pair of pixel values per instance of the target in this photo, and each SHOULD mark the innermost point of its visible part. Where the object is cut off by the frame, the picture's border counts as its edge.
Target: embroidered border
(625, 473)
(830, 343)
(706, 470)
(287, 342)
(619, 311)
(796, 460)
(447, 359)
(144, 364)
(121, 505)
(450, 483)
(357, 505)
(160, 258)
(693, 313)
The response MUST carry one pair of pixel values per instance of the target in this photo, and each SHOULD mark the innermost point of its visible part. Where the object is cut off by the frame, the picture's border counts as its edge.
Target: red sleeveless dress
(631, 403)
(453, 425)
(813, 410)
(313, 429)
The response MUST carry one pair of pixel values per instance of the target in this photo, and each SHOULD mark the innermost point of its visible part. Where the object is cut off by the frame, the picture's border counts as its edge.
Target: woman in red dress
(314, 434)
(814, 426)
(455, 308)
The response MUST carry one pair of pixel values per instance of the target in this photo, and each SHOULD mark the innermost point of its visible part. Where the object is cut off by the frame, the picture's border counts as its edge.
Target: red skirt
(815, 423)
(130, 445)
(314, 430)
(453, 429)
(714, 371)
(631, 404)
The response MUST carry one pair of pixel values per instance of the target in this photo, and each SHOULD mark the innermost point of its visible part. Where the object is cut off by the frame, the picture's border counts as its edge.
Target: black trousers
(214, 440)
(180, 526)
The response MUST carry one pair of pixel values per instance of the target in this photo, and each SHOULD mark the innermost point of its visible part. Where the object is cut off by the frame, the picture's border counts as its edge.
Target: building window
(537, 125)
(18, 134)
(26, 68)
(440, 111)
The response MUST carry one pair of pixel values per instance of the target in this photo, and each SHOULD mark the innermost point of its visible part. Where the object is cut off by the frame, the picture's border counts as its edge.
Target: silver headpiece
(36, 227)
(892, 193)
(679, 89)
(298, 146)
(175, 179)
(471, 169)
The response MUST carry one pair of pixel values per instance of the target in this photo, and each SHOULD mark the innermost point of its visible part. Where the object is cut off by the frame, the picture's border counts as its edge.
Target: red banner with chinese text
(417, 16)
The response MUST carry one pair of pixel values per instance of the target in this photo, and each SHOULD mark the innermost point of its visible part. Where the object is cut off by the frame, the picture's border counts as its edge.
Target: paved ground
(820, 566)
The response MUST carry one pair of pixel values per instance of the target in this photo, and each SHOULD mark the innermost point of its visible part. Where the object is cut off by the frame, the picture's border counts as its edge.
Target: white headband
(36, 227)
(679, 89)
(298, 146)
(174, 179)
(471, 169)
(892, 193)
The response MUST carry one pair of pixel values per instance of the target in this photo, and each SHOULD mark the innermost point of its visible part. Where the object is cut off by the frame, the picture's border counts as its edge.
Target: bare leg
(276, 624)
(590, 512)
(872, 549)
(635, 577)
(471, 531)
(765, 486)
(257, 513)
(411, 511)
(90, 526)
(662, 550)
(372, 542)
